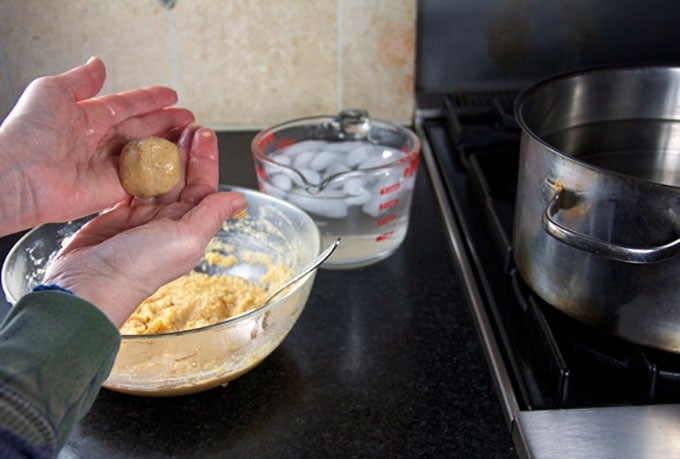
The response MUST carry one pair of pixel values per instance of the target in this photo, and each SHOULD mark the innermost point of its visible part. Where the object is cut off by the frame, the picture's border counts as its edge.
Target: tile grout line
(173, 51)
(9, 87)
(338, 45)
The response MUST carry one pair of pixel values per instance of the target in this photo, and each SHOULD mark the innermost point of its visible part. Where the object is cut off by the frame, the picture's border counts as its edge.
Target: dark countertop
(384, 361)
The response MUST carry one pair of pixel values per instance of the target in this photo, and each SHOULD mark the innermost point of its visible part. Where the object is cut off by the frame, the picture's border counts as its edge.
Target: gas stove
(567, 390)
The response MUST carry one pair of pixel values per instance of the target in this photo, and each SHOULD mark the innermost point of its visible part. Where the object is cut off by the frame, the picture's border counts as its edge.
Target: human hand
(59, 146)
(122, 256)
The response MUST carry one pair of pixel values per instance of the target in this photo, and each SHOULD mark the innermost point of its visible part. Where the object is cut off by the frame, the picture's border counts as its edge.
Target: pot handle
(596, 246)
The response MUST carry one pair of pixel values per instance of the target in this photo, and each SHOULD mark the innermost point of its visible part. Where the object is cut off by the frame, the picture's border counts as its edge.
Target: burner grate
(555, 361)
(481, 120)
(470, 102)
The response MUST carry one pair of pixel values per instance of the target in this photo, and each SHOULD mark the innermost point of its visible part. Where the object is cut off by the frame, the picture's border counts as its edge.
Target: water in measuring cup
(353, 189)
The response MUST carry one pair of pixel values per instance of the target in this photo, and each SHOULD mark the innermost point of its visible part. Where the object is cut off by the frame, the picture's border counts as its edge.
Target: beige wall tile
(46, 37)
(235, 63)
(256, 62)
(378, 57)
(6, 96)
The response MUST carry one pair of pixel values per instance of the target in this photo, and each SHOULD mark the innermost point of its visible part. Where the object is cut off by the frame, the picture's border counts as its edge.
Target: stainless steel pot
(597, 219)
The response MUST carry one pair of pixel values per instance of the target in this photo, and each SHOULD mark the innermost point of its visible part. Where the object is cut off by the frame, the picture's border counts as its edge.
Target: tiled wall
(235, 63)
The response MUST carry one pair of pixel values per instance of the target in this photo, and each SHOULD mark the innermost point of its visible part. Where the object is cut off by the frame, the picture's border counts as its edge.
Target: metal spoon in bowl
(320, 258)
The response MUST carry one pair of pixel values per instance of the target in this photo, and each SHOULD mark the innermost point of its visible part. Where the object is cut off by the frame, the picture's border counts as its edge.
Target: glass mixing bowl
(199, 359)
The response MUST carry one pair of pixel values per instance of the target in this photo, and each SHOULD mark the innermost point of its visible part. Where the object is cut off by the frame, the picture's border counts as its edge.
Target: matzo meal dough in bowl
(187, 351)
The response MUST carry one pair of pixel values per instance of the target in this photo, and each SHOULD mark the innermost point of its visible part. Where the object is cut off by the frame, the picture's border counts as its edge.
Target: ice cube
(382, 157)
(361, 198)
(272, 190)
(387, 185)
(282, 182)
(379, 205)
(346, 145)
(335, 185)
(305, 145)
(312, 177)
(372, 207)
(326, 207)
(328, 193)
(322, 160)
(280, 158)
(301, 160)
(334, 169)
(354, 186)
(360, 154)
(271, 169)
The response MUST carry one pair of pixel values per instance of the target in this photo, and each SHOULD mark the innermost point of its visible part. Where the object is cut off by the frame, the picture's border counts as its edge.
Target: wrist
(115, 305)
(14, 207)
(55, 287)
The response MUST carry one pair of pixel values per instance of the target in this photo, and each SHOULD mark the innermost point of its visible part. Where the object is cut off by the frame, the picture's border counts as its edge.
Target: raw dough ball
(149, 167)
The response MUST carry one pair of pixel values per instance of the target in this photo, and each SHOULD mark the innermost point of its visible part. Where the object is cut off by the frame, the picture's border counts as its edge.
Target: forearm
(55, 351)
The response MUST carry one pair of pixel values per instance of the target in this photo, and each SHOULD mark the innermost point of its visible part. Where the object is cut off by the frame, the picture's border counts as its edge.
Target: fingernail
(238, 207)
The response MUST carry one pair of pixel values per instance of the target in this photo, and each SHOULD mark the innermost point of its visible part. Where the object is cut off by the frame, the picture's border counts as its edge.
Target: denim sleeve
(55, 351)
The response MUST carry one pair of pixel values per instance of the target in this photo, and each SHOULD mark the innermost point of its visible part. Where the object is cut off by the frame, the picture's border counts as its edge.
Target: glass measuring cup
(353, 174)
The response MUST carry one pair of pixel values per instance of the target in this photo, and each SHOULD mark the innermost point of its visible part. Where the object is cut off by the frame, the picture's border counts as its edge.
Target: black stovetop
(553, 360)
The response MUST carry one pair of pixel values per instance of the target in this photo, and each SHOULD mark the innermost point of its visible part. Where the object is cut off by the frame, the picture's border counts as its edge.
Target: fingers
(104, 226)
(198, 153)
(202, 174)
(166, 123)
(185, 142)
(112, 109)
(206, 218)
(184, 146)
(202, 220)
(84, 81)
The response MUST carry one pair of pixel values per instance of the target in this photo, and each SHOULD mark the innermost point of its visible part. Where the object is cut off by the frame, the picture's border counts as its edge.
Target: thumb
(84, 81)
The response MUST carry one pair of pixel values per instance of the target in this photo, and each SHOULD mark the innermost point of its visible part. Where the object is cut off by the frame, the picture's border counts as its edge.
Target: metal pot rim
(536, 88)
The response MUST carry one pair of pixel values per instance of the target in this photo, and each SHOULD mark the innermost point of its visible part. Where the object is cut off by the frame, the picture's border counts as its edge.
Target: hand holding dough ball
(149, 167)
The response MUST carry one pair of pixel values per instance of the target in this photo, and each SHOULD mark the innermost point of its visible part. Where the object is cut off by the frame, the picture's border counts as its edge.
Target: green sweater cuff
(55, 351)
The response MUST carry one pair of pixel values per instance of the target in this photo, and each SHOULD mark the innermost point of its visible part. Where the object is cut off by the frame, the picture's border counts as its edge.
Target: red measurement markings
(383, 236)
(282, 143)
(390, 188)
(262, 144)
(411, 168)
(387, 204)
(386, 219)
(260, 173)
(278, 143)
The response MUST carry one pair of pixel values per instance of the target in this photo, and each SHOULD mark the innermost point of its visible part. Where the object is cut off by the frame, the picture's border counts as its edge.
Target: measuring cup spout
(294, 176)
(307, 179)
